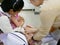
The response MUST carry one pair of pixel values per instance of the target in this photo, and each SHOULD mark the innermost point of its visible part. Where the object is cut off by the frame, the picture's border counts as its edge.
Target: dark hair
(16, 5)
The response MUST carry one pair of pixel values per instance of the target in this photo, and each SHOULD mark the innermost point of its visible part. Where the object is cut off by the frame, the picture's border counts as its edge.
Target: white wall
(31, 18)
(28, 5)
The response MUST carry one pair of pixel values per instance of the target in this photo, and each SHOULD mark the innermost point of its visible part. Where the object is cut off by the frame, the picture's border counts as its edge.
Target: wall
(28, 5)
(31, 18)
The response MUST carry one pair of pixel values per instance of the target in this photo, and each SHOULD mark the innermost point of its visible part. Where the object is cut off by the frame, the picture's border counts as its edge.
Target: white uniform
(16, 38)
(49, 16)
(12, 39)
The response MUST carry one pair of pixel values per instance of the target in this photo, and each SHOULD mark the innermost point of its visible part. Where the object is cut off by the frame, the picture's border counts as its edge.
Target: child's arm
(21, 20)
(17, 22)
(30, 29)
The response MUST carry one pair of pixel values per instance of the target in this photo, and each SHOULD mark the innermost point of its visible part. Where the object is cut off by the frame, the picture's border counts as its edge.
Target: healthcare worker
(11, 7)
(50, 19)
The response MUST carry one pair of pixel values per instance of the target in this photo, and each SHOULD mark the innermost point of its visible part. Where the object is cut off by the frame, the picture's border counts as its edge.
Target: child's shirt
(12, 24)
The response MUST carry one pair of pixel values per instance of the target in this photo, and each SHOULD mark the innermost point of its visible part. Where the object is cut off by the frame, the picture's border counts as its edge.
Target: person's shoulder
(3, 17)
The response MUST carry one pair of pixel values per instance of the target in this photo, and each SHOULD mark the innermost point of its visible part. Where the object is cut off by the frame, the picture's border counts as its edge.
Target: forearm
(21, 21)
(17, 21)
(41, 34)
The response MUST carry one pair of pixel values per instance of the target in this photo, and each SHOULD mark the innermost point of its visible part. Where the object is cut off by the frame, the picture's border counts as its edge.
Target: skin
(19, 21)
(29, 31)
(36, 2)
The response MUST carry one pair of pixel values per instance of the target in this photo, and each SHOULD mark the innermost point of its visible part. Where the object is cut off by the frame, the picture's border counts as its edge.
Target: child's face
(11, 12)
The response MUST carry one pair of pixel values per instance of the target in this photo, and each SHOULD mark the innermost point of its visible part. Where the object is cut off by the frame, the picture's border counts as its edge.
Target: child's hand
(30, 29)
(29, 36)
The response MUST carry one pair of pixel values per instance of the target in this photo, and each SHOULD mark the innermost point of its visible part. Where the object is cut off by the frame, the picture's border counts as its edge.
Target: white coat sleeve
(5, 25)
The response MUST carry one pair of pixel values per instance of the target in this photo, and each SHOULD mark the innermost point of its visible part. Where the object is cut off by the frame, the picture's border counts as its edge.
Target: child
(29, 31)
(16, 21)
(10, 10)
(11, 7)
(15, 38)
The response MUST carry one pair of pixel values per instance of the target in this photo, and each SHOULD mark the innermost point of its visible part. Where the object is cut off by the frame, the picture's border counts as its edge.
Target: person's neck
(12, 14)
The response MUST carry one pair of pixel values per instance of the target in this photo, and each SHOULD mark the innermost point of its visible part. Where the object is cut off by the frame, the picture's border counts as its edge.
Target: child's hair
(16, 5)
